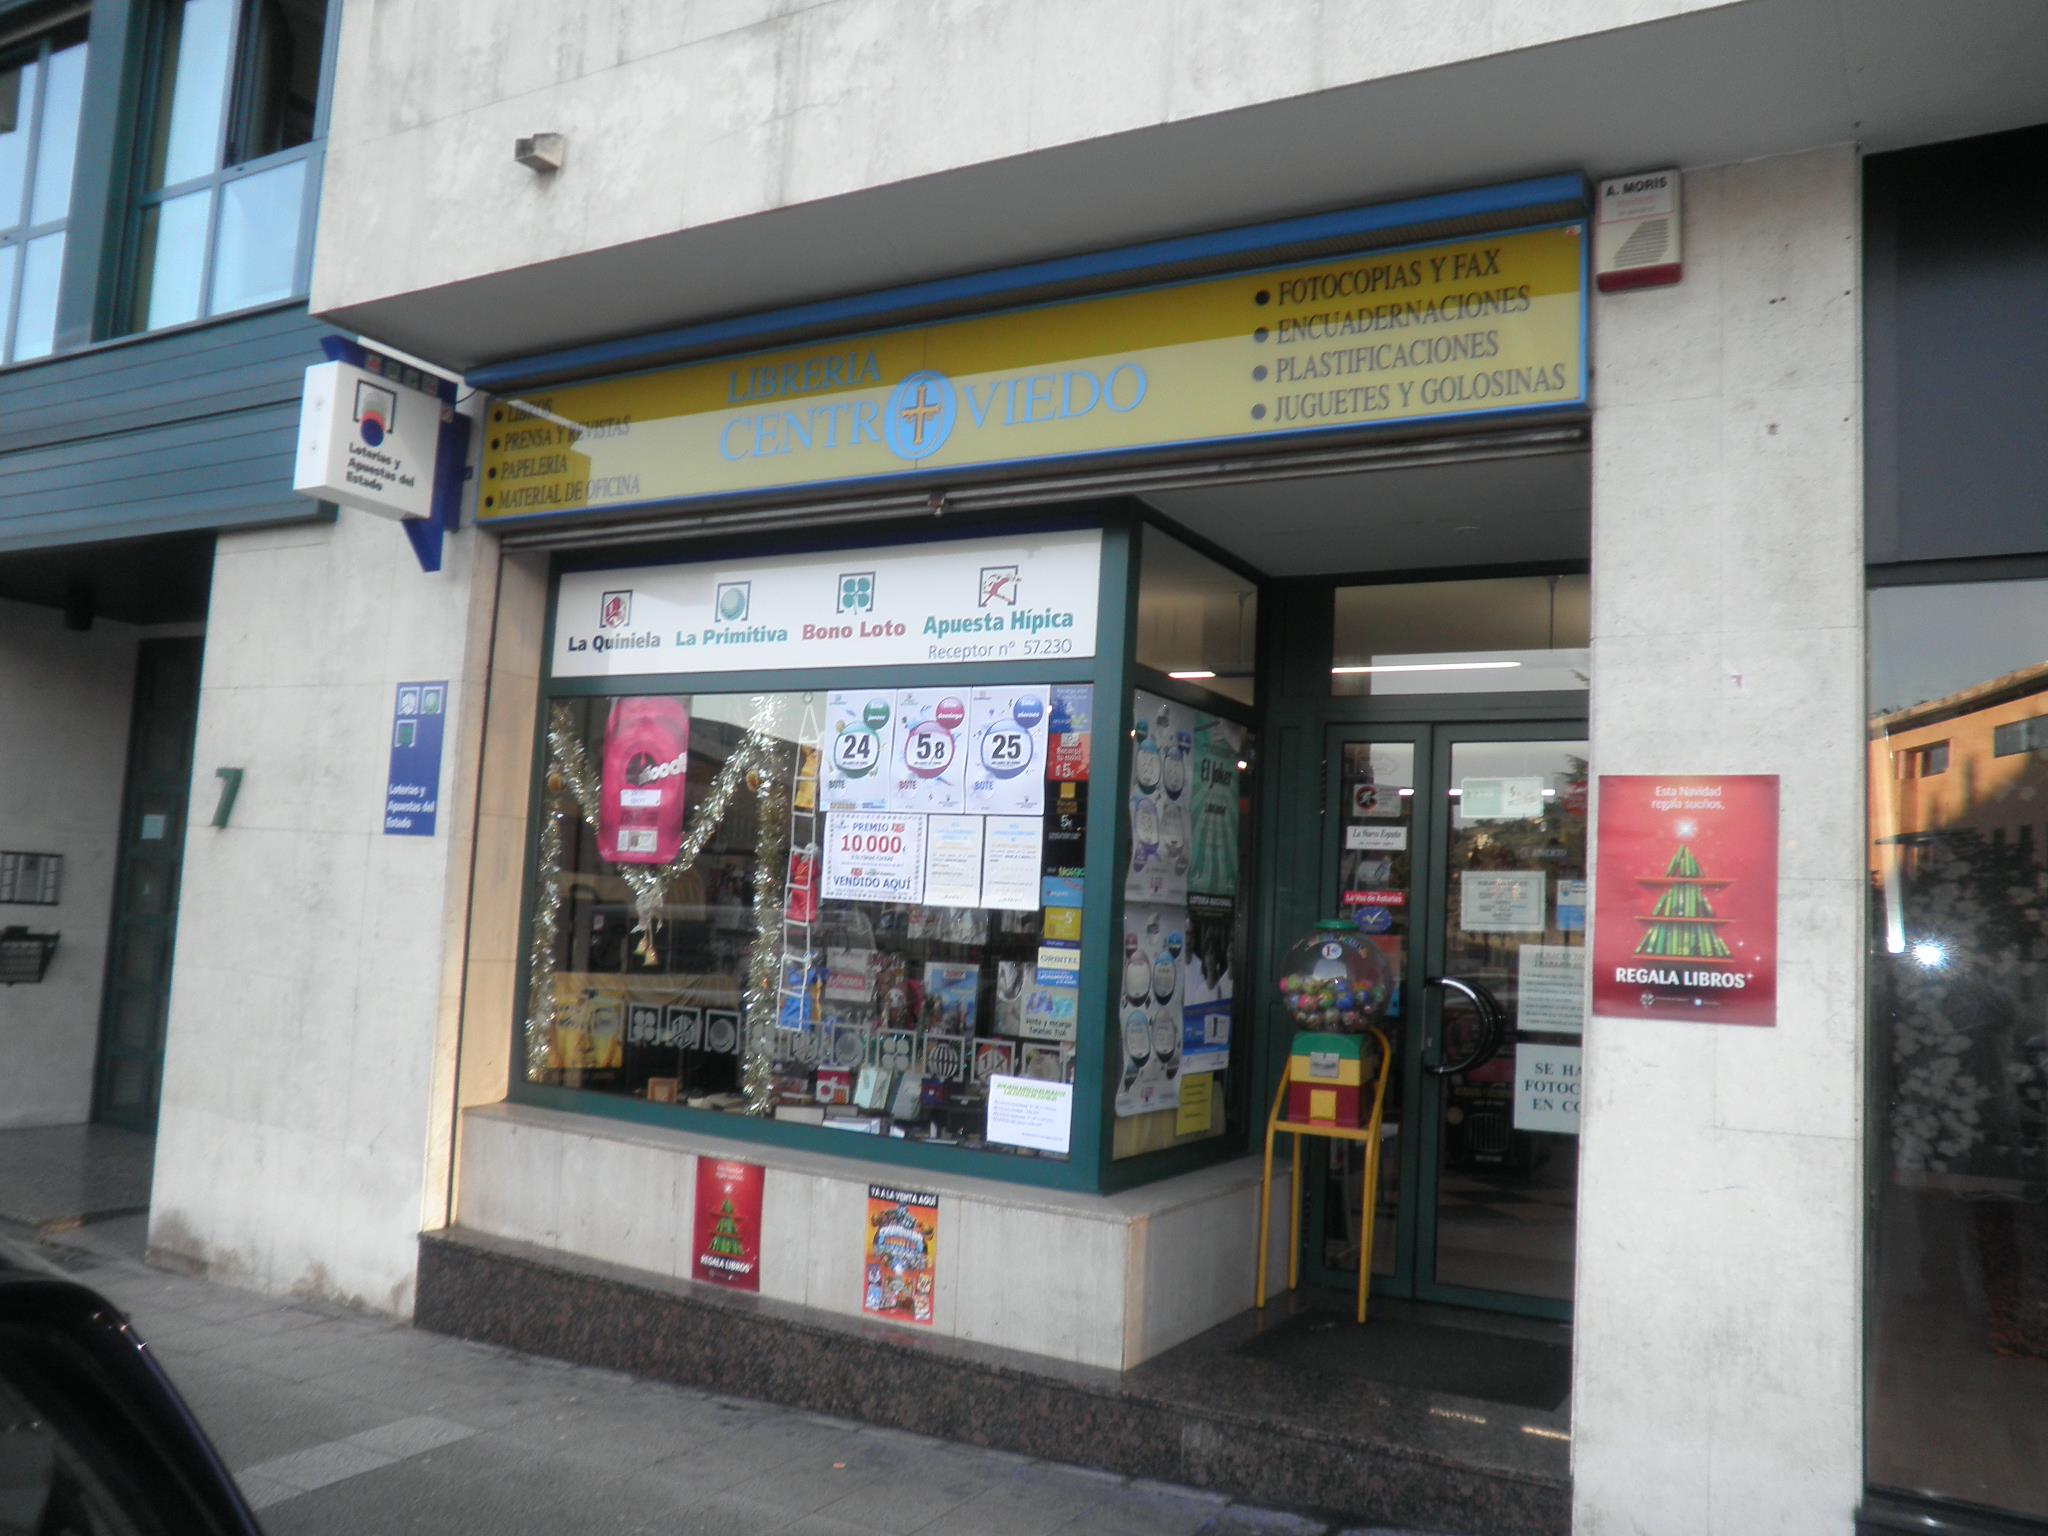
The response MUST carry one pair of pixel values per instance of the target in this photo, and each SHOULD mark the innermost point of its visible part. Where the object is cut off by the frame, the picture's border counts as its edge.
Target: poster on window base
(1685, 900)
(728, 1224)
(899, 1266)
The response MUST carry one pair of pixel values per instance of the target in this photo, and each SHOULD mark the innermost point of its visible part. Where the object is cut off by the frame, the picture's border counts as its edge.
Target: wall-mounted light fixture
(543, 152)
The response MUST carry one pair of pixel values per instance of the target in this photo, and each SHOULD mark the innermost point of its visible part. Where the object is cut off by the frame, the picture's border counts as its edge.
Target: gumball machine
(1334, 985)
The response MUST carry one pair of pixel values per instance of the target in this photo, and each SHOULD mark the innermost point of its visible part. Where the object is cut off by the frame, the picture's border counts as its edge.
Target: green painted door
(145, 917)
(1463, 848)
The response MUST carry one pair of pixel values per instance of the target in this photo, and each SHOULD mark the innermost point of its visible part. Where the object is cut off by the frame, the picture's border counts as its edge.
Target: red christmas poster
(1685, 918)
(728, 1224)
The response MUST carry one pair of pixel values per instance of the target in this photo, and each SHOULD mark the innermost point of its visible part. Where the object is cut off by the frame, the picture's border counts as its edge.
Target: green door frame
(1433, 724)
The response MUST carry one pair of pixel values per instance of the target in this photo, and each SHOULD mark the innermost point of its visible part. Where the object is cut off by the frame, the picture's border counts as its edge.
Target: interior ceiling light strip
(934, 500)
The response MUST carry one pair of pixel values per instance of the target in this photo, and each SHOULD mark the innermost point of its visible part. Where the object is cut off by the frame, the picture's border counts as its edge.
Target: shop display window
(857, 909)
(1182, 1006)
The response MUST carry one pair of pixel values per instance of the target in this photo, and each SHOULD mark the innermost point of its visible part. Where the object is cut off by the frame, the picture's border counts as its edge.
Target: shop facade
(894, 716)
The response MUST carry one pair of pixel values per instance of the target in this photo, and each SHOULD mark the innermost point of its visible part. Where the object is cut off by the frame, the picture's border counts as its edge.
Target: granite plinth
(1209, 1413)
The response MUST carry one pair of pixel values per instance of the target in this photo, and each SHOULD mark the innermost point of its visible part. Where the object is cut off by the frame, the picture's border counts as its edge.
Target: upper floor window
(229, 119)
(41, 85)
(2017, 736)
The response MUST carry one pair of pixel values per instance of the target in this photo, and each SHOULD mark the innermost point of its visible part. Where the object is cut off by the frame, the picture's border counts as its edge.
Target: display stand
(1369, 1133)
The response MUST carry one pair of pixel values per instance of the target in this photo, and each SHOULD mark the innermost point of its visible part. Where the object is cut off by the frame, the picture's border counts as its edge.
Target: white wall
(684, 114)
(318, 968)
(1719, 1286)
(65, 699)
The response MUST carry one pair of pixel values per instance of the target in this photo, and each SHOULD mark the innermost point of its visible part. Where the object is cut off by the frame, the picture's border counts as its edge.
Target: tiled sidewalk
(336, 1422)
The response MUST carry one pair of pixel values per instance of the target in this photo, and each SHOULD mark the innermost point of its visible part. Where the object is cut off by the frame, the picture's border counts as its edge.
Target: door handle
(1493, 1028)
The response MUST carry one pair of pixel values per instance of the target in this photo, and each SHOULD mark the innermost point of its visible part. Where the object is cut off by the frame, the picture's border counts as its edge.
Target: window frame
(131, 314)
(35, 47)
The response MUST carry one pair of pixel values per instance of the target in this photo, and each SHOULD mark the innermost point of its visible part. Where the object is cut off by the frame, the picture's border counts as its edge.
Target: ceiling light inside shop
(1427, 666)
(1194, 675)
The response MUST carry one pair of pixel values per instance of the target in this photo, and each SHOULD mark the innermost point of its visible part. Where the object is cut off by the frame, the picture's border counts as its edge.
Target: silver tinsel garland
(573, 778)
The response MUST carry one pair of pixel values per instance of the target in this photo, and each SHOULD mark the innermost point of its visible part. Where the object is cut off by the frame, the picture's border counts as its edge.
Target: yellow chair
(1369, 1133)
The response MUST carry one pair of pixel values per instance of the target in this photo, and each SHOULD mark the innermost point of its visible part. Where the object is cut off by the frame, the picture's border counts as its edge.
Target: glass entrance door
(1462, 850)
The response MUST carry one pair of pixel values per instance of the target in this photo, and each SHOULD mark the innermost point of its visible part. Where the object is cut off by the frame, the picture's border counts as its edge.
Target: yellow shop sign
(1485, 326)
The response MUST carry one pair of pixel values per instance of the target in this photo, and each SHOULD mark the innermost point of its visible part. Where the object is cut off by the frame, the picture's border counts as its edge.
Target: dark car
(94, 1439)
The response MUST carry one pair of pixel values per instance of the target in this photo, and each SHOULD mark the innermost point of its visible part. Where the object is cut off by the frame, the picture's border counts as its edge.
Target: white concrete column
(304, 1128)
(1719, 1284)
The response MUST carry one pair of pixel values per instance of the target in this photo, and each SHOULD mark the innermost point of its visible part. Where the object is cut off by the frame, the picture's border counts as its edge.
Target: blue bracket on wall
(451, 451)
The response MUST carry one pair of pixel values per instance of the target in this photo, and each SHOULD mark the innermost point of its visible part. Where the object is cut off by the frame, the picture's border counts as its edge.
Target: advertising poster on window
(1162, 740)
(899, 1265)
(1685, 898)
(1150, 997)
(1070, 724)
(728, 1224)
(1010, 850)
(874, 857)
(1207, 987)
(1006, 732)
(1214, 749)
(860, 739)
(928, 768)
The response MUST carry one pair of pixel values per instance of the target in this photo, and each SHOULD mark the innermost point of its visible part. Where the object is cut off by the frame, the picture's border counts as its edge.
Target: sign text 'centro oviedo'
(1009, 599)
(1486, 325)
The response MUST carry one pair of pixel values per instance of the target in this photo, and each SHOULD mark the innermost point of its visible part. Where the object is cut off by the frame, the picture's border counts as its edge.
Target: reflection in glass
(1508, 1172)
(1375, 847)
(35, 331)
(1198, 620)
(1958, 1000)
(9, 255)
(192, 91)
(1515, 634)
(171, 254)
(57, 145)
(17, 118)
(257, 248)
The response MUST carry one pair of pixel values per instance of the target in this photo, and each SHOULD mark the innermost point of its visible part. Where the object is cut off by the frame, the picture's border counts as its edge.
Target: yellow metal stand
(1369, 1133)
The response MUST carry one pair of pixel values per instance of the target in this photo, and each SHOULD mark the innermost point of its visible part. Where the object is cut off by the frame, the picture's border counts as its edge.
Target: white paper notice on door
(1547, 1087)
(1010, 852)
(1501, 900)
(1519, 799)
(1550, 989)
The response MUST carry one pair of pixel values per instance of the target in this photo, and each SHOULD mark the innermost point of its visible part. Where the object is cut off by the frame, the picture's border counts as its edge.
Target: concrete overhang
(1737, 82)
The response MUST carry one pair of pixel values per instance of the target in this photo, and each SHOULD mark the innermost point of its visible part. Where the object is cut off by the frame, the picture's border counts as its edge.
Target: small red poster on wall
(899, 1269)
(1685, 918)
(728, 1225)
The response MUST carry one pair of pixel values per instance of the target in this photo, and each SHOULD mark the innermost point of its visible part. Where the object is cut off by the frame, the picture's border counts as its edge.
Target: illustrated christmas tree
(1682, 923)
(725, 1235)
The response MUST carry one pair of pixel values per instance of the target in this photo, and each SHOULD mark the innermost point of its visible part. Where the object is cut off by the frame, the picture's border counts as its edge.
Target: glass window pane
(9, 254)
(17, 116)
(713, 892)
(1504, 635)
(193, 86)
(1958, 1030)
(171, 258)
(281, 78)
(36, 331)
(1197, 619)
(256, 257)
(58, 144)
